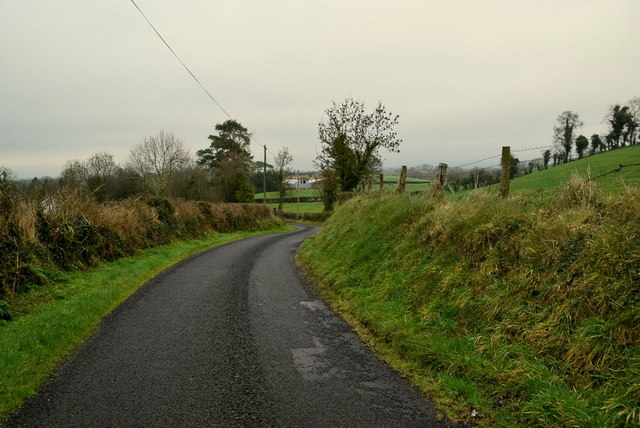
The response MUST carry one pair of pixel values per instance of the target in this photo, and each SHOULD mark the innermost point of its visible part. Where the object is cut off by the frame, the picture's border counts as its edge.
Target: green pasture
(548, 181)
(306, 207)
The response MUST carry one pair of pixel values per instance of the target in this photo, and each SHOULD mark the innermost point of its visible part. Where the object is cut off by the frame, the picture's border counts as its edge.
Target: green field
(306, 207)
(290, 194)
(413, 185)
(395, 178)
(547, 182)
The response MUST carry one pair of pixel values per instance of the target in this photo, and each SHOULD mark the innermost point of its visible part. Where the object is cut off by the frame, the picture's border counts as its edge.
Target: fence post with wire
(438, 183)
(402, 181)
(506, 171)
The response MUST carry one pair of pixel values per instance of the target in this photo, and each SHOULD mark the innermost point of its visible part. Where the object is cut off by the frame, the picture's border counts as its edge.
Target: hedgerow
(68, 230)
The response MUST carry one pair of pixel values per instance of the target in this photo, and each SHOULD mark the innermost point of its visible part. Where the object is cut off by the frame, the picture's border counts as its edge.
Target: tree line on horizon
(351, 139)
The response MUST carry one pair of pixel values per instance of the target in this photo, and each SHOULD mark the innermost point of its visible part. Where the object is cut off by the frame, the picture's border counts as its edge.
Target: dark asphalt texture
(229, 337)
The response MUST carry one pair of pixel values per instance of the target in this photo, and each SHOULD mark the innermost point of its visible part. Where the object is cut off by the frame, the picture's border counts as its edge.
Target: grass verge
(53, 320)
(506, 313)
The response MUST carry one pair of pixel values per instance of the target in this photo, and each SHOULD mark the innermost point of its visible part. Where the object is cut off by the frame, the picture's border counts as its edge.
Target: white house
(303, 182)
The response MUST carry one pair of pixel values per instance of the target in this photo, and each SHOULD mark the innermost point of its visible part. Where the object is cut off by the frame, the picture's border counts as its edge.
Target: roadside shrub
(167, 227)
(5, 313)
(233, 217)
(17, 238)
(15, 252)
(191, 221)
(131, 221)
(205, 209)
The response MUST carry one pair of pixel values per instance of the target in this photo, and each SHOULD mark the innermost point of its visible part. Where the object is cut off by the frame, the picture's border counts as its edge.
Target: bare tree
(634, 111)
(157, 160)
(74, 174)
(6, 174)
(282, 161)
(191, 183)
(101, 165)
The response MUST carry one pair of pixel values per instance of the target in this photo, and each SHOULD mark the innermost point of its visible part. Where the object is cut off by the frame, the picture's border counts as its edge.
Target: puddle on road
(315, 305)
(312, 363)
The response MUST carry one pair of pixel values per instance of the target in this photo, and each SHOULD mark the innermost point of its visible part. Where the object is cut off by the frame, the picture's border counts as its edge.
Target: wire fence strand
(497, 156)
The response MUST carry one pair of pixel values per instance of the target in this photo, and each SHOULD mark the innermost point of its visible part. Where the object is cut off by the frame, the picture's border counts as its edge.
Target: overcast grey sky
(466, 77)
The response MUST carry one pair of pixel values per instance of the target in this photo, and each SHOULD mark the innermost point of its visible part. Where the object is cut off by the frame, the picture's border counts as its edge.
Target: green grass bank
(506, 312)
(53, 319)
(544, 184)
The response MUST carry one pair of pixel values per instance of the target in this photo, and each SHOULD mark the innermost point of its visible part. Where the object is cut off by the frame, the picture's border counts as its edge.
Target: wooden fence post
(441, 178)
(369, 183)
(402, 181)
(381, 183)
(506, 171)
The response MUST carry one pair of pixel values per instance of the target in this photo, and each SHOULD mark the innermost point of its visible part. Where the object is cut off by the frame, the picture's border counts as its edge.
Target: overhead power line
(181, 62)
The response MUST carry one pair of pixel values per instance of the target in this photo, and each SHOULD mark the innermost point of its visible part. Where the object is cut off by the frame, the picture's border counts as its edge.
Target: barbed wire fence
(498, 156)
(440, 182)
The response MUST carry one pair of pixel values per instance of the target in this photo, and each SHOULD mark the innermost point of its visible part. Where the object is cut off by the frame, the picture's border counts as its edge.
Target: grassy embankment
(56, 317)
(527, 313)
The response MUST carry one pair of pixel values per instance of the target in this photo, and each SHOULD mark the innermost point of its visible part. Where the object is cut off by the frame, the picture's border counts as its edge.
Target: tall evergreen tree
(230, 161)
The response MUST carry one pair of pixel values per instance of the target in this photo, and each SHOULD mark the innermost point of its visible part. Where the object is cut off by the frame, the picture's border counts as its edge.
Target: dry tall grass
(69, 230)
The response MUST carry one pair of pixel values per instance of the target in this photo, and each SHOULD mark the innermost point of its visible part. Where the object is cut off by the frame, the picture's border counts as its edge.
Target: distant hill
(547, 182)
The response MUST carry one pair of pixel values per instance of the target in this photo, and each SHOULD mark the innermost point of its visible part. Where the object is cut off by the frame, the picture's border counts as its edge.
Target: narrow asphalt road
(230, 337)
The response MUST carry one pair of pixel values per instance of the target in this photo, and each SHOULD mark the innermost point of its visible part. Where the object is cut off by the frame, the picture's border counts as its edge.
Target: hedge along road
(229, 337)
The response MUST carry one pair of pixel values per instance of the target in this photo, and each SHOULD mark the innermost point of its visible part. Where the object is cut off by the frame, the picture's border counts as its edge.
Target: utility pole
(264, 177)
(298, 196)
